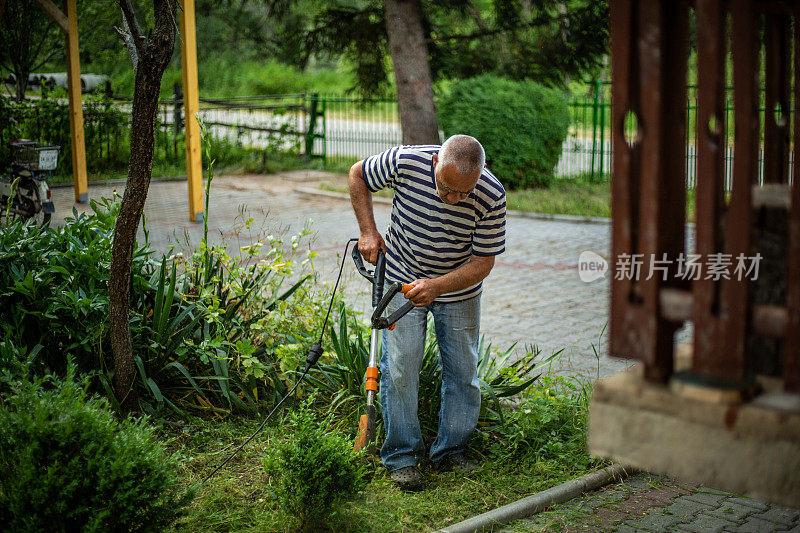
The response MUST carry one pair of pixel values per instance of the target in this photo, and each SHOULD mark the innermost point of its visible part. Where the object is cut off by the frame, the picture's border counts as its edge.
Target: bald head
(465, 152)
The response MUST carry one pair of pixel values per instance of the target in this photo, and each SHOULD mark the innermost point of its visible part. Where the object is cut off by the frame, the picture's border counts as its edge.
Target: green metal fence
(345, 129)
(350, 129)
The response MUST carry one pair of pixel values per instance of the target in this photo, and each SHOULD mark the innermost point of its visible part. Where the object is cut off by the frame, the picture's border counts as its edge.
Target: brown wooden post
(776, 95)
(711, 51)
(791, 359)
(649, 176)
(75, 104)
(735, 295)
(625, 166)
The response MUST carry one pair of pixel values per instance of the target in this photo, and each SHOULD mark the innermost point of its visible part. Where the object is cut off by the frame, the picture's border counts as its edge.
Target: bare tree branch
(132, 25)
(127, 40)
(44, 61)
(477, 16)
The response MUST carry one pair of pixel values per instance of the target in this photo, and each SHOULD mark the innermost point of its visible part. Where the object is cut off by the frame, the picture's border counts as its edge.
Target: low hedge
(521, 124)
(67, 464)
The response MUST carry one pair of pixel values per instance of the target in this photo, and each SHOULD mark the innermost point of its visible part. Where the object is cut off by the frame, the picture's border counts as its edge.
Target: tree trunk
(412, 72)
(20, 84)
(153, 59)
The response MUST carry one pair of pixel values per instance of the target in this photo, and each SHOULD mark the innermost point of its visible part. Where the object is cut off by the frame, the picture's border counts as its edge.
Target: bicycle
(33, 163)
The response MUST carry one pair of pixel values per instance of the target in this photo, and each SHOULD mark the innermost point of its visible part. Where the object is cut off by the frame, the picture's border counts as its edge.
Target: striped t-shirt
(427, 237)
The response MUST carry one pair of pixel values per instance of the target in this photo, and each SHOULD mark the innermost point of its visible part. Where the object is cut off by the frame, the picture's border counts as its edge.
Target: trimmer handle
(379, 322)
(376, 278)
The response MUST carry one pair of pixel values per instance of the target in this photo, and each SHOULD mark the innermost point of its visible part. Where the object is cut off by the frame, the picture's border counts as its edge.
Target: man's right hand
(369, 245)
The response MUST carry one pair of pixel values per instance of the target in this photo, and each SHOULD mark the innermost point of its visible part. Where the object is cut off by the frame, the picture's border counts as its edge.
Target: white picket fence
(580, 156)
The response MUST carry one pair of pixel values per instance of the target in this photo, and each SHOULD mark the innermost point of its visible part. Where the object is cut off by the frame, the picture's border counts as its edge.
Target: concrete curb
(120, 181)
(338, 195)
(540, 501)
(574, 219)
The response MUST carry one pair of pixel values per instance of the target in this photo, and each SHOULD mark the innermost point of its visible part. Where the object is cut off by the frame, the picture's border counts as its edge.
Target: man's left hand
(423, 292)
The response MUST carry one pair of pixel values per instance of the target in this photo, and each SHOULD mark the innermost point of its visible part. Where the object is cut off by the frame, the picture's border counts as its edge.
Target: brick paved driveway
(533, 296)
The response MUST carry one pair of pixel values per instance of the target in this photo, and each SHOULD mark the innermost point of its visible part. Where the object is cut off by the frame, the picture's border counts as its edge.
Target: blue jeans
(457, 326)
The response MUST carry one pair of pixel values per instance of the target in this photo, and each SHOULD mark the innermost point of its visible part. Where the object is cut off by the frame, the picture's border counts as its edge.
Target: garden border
(540, 501)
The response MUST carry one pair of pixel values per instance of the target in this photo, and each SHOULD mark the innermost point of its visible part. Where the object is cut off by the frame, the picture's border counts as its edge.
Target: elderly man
(447, 226)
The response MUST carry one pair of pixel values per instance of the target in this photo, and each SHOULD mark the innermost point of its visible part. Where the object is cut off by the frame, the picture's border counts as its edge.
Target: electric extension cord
(313, 356)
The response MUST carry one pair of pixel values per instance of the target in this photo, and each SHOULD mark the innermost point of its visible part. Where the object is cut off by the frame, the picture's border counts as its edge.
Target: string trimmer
(366, 434)
(366, 423)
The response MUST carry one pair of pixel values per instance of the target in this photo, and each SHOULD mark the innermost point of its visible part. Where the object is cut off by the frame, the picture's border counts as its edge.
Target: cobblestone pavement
(647, 502)
(533, 297)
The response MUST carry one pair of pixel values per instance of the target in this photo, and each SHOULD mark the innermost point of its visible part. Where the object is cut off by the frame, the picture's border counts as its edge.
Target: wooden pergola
(723, 410)
(67, 21)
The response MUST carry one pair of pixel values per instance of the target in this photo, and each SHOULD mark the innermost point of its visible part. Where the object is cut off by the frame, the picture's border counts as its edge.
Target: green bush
(521, 125)
(315, 468)
(209, 331)
(53, 284)
(339, 375)
(548, 422)
(66, 464)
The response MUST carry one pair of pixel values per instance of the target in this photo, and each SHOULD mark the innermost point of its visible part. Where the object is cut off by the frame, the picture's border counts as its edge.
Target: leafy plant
(521, 124)
(339, 376)
(210, 331)
(548, 422)
(53, 286)
(67, 464)
(315, 468)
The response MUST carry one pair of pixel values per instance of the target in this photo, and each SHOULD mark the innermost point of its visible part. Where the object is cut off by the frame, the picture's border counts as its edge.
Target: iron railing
(344, 129)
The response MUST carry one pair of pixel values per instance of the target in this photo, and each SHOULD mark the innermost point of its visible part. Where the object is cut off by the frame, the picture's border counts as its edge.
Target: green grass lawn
(240, 496)
(564, 197)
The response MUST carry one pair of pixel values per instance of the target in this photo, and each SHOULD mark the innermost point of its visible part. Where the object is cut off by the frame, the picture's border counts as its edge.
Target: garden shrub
(548, 423)
(66, 464)
(339, 375)
(315, 468)
(209, 331)
(521, 125)
(53, 284)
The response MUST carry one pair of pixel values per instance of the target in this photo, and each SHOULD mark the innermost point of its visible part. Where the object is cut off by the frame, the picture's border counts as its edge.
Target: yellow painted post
(75, 104)
(191, 104)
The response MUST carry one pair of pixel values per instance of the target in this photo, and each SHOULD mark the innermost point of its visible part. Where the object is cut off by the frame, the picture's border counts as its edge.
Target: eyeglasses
(448, 190)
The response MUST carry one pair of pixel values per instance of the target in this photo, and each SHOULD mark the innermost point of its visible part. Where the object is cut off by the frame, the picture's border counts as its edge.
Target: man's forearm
(425, 291)
(468, 274)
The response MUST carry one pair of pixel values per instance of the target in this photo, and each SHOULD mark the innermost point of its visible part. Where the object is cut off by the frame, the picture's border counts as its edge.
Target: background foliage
(521, 125)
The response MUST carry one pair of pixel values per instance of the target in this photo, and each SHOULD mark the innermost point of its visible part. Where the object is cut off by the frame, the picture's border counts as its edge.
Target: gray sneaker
(456, 462)
(407, 478)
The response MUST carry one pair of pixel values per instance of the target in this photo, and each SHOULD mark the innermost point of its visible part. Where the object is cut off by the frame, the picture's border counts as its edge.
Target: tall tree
(28, 40)
(412, 72)
(151, 55)
(549, 41)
